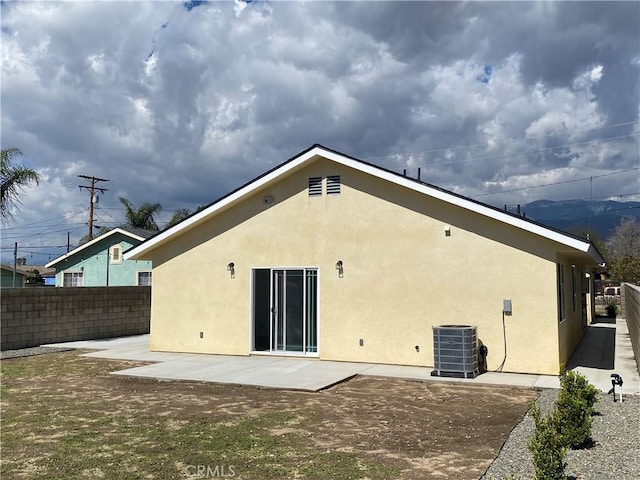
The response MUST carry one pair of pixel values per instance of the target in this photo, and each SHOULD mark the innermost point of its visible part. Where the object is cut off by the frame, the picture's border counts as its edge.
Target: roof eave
(139, 251)
(78, 249)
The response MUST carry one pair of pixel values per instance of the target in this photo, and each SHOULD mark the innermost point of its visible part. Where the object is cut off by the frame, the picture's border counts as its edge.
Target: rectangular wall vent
(333, 184)
(315, 186)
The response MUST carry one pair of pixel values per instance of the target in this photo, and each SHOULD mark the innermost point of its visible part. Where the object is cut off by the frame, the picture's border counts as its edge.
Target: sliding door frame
(273, 348)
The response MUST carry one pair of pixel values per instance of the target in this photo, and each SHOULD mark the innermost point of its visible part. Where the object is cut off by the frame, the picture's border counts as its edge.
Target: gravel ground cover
(29, 352)
(615, 454)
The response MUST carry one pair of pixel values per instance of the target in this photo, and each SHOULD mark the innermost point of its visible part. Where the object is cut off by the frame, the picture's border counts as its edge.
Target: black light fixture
(339, 268)
(231, 267)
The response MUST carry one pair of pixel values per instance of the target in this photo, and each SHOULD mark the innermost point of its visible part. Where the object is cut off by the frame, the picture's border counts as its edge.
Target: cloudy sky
(179, 103)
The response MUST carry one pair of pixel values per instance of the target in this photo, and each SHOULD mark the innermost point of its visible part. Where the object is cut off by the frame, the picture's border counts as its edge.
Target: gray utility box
(455, 351)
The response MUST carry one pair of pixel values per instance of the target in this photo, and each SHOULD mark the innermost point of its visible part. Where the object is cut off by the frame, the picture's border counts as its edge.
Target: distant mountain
(604, 216)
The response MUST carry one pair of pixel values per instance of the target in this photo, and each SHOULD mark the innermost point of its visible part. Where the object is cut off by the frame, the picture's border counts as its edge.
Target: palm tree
(182, 213)
(141, 217)
(178, 216)
(14, 179)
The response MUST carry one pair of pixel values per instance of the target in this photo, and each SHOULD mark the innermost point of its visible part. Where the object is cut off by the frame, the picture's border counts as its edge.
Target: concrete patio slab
(260, 371)
(605, 349)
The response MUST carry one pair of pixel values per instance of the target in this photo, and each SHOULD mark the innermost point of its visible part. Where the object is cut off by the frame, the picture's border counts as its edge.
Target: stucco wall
(36, 316)
(94, 262)
(402, 275)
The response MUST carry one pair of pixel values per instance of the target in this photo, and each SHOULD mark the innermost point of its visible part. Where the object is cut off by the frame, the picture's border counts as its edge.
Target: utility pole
(92, 189)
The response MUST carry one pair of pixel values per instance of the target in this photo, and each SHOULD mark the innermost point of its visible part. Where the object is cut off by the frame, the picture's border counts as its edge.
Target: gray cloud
(181, 106)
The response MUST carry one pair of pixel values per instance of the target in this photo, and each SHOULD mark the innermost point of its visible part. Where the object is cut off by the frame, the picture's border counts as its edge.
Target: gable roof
(42, 270)
(309, 155)
(135, 234)
(8, 268)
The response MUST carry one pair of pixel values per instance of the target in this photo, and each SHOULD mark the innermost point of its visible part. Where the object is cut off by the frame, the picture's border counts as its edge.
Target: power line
(554, 183)
(115, 220)
(505, 155)
(582, 198)
(28, 248)
(515, 140)
(44, 232)
(37, 224)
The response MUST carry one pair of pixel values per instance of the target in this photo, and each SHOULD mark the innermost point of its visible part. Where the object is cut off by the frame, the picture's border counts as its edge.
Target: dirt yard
(64, 416)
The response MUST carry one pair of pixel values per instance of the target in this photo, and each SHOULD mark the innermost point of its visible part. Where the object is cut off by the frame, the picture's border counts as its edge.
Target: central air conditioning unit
(455, 351)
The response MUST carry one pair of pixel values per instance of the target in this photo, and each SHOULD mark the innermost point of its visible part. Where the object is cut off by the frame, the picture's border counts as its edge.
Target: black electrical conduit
(504, 336)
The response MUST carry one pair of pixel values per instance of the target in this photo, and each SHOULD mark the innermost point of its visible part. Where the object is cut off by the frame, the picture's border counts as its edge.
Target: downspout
(108, 255)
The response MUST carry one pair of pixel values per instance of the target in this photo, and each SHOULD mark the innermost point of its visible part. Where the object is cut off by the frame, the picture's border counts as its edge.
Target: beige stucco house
(328, 256)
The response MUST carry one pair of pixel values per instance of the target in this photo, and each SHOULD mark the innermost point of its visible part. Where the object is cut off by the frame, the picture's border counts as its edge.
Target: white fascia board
(92, 242)
(583, 246)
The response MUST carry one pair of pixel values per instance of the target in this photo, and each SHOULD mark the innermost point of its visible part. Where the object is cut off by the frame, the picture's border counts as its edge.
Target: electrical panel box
(506, 307)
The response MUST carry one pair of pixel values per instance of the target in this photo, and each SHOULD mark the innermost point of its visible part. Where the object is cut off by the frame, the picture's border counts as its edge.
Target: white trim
(297, 162)
(282, 353)
(93, 242)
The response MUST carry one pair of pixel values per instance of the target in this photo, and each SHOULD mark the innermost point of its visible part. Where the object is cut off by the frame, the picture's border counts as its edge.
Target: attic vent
(115, 254)
(315, 186)
(333, 185)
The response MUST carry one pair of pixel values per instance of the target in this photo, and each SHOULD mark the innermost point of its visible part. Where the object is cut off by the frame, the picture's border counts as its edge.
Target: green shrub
(574, 408)
(547, 446)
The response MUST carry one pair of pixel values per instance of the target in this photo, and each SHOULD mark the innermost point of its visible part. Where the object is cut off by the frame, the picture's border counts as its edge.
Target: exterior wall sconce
(232, 268)
(447, 231)
(340, 269)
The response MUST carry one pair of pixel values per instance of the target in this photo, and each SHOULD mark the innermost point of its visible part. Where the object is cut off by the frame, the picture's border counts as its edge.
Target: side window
(561, 300)
(144, 279)
(575, 281)
(73, 279)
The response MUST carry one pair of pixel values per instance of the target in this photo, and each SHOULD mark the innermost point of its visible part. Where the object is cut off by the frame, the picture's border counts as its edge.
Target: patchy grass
(65, 417)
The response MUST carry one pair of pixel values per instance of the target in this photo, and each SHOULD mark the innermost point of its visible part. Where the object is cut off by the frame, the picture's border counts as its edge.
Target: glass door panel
(261, 309)
(294, 322)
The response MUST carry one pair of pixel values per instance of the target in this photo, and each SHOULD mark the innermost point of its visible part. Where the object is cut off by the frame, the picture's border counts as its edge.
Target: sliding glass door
(285, 305)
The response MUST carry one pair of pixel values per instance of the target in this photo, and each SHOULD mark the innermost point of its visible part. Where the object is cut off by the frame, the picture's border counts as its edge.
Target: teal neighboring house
(100, 263)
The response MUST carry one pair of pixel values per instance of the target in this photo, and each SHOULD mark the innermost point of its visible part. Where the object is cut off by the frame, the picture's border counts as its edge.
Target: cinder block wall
(36, 316)
(630, 311)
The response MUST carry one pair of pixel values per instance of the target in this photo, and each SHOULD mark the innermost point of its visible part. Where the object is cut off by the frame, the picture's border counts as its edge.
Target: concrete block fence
(630, 311)
(36, 316)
